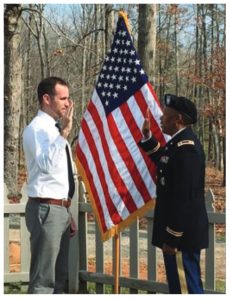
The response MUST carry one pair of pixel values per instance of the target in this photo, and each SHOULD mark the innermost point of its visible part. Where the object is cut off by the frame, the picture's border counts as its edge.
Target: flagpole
(117, 263)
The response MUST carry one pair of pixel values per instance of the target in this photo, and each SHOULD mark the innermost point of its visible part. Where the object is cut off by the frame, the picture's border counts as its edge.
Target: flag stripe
(155, 115)
(90, 179)
(115, 175)
(130, 133)
(125, 153)
(156, 100)
(96, 157)
(121, 167)
(115, 197)
(148, 167)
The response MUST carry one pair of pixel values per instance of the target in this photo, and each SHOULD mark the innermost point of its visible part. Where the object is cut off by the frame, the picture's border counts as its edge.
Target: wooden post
(117, 264)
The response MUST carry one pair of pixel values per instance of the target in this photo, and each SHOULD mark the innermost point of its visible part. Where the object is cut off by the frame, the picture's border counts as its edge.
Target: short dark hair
(47, 86)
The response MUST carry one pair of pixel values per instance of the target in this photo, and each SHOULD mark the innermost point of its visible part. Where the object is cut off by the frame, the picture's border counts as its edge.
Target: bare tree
(109, 25)
(147, 38)
(12, 94)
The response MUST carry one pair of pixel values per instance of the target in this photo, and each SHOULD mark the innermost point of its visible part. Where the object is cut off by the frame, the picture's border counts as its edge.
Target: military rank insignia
(164, 159)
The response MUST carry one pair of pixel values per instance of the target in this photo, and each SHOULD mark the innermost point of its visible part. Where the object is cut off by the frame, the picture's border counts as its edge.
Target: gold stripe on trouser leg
(181, 273)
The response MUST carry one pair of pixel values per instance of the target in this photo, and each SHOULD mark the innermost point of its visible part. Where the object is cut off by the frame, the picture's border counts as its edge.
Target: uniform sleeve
(186, 172)
(151, 147)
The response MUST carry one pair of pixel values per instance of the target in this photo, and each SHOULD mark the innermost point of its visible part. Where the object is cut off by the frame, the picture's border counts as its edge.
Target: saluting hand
(67, 121)
(146, 125)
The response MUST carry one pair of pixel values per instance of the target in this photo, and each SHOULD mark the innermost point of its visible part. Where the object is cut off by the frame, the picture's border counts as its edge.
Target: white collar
(43, 114)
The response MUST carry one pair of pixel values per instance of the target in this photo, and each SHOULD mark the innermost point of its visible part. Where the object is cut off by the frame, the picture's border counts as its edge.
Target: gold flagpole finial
(124, 15)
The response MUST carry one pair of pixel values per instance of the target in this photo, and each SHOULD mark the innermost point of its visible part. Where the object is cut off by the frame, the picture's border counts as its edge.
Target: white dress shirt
(46, 158)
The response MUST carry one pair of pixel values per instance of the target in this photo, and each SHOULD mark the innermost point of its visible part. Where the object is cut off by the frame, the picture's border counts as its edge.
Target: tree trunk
(147, 38)
(12, 94)
(83, 72)
(109, 25)
(176, 50)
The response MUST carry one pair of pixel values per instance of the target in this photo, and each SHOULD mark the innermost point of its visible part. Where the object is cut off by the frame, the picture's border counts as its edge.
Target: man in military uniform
(180, 220)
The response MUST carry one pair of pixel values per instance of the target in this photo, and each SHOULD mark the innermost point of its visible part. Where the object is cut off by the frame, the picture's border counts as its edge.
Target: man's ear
(180, 118)
(46, 99)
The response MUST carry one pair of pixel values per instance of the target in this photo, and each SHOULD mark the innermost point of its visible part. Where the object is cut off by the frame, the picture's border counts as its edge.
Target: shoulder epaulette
(185, 142)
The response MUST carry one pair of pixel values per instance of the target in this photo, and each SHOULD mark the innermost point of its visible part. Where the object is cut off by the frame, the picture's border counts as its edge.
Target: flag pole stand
(117, 264)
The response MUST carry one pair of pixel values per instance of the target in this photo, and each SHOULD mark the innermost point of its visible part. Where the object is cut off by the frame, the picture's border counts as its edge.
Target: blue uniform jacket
(180, 217)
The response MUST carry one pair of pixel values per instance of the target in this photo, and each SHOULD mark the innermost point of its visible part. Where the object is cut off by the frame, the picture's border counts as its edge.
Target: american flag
(119, 177)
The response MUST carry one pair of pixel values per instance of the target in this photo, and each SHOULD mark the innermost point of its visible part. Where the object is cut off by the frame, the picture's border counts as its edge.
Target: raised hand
(146, 125)
(67, 121)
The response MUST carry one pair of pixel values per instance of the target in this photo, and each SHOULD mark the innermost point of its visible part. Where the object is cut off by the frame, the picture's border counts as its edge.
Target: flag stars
(132, 52)
(120, 72)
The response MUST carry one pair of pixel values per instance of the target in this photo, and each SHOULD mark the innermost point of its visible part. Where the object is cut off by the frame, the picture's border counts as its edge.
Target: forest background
(182, 48)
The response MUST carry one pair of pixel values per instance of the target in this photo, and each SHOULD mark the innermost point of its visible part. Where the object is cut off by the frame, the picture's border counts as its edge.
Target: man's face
(169, 120)
(59, 103)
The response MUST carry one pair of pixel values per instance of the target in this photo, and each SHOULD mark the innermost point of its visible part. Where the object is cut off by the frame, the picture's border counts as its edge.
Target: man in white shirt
(50, 187)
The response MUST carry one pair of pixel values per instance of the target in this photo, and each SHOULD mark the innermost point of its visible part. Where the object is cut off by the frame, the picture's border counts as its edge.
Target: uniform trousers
(49, 227)
(183, 272)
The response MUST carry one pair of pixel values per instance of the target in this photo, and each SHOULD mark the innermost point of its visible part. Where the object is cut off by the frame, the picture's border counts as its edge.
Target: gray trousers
(49, 241)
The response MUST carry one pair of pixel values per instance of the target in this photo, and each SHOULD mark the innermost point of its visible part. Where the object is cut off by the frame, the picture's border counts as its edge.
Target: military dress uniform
(180, 217)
